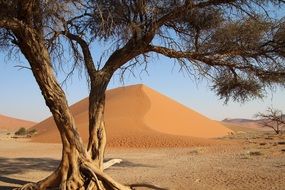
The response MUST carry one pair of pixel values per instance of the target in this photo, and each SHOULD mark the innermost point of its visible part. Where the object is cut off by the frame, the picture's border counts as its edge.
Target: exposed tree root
(28, 186)
(80, 170)
(79, 175)
(106, 180)
(111, 163)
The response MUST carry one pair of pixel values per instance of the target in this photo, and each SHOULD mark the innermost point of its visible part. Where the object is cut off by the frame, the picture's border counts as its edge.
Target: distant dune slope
(138, 116)
(247, 124)
(11, 124)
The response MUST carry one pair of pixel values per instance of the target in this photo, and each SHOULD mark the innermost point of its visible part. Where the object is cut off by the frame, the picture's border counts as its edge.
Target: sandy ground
(254, 161)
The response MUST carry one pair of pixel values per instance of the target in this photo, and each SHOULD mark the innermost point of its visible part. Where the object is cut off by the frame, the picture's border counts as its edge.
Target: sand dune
(12, 124)
(137, 116)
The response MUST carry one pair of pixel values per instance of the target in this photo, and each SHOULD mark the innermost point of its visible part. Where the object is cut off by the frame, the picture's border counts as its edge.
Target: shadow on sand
(12, 181)
(9, 166)
(148, 186)
(20, 165)
(6, 188)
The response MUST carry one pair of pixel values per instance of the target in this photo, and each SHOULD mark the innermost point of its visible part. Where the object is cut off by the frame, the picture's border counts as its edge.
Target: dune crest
(137, 116)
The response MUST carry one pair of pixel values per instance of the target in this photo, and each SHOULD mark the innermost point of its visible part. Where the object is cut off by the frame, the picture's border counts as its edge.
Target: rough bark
(97, 134)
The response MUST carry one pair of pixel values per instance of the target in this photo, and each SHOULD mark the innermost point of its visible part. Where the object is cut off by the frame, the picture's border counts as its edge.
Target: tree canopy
(235, 44)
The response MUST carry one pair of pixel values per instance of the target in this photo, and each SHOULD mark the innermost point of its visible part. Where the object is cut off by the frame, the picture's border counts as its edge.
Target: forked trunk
(78, 169)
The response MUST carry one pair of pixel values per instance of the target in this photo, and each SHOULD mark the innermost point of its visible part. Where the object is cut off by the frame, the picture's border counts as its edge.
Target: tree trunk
(97, 133)
(77, 169)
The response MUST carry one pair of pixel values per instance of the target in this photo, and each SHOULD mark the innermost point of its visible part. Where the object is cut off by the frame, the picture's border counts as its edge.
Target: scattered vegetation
(25, 132)
(32, 132)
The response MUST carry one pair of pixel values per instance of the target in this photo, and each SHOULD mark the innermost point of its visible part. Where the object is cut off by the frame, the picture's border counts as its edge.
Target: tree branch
(11, 24)
(88, 61)
(182, 10)
(171, 53)
(220, 60)
(121, 56)
(22, 67)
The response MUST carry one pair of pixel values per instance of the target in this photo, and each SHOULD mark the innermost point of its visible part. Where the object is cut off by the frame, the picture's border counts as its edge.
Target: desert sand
(243, 161)
(11, 124)
(163, 144)
(137, 116)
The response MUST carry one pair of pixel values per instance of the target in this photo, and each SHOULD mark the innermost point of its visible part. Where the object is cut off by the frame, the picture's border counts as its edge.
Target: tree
(272, 118)
(234, 44)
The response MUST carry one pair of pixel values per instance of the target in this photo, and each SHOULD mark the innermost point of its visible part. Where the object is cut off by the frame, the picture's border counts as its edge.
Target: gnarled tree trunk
(79, 169)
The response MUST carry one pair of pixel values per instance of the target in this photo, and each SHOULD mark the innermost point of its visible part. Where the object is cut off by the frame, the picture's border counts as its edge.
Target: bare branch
(22, 67)
(88, 60)
(272, 118)
(11, 24)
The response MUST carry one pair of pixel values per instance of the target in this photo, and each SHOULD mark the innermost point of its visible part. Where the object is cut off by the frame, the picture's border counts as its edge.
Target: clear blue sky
(20, 96)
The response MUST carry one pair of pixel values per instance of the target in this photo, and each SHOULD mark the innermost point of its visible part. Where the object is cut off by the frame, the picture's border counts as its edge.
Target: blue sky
(20, 96)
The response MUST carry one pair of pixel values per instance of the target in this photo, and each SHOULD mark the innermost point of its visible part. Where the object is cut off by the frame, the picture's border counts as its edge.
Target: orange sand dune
(12, 124)
(137, 116)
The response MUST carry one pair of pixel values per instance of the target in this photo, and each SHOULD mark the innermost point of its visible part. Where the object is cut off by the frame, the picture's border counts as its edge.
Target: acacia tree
(234, 44)
(272, 118)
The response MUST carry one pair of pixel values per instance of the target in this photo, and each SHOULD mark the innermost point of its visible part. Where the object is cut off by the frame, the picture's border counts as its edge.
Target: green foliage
(241, 89)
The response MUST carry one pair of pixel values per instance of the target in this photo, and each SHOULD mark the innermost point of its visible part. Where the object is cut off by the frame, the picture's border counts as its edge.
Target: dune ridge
(11, 124)
(137, 116)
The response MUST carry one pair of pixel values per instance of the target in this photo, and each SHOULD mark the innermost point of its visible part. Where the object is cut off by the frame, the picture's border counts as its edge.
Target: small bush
(21, 132)
(24, 132)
